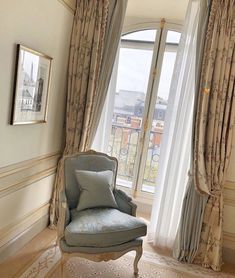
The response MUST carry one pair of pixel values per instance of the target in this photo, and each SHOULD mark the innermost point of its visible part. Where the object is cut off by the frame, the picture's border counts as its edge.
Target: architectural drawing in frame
(32, 80)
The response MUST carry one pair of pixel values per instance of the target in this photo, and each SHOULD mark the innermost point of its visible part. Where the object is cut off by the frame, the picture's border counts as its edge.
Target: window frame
(136, 190)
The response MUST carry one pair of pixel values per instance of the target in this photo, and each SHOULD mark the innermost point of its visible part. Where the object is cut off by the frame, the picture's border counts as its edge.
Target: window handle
(146, 124)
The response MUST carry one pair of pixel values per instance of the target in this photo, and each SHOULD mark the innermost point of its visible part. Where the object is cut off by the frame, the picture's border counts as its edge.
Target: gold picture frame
(31, 86)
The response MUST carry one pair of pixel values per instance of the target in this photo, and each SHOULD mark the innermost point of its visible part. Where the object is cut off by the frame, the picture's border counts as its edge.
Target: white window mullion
(140, 154)
(151, 107)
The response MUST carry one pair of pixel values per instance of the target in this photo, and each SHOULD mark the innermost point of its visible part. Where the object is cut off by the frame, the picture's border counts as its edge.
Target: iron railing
(123, 144)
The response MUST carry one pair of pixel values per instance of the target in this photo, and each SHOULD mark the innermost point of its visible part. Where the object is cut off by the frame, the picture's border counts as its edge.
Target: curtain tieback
(216, 193)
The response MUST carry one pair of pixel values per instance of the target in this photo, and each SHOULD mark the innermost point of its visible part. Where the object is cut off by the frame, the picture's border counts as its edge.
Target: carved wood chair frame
(99, 256)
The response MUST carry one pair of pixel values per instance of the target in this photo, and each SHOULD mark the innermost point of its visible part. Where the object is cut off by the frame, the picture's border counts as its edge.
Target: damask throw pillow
(95, 189)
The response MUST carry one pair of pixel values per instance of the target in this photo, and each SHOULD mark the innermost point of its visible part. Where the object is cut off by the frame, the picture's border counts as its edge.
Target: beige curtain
(92, 54)
(214, 123)
(86, 52)
(116, 15)
(188, 234)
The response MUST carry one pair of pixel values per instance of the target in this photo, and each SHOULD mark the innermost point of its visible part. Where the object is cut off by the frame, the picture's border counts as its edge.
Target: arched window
(139, 93)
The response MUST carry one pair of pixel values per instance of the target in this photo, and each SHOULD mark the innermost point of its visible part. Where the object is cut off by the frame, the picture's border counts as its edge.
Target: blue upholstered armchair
(98, 233)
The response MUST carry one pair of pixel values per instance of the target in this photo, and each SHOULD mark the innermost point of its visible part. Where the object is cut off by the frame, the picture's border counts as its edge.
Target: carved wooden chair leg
(139, 252)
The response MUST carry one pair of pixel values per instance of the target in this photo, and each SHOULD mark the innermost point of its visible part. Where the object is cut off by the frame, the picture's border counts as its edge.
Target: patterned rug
(151, 265)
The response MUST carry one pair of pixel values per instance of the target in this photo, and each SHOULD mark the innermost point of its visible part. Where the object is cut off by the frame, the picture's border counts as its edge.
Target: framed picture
(32, 81)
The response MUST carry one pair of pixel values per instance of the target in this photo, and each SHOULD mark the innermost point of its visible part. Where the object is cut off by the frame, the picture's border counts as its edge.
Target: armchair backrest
(88, 161)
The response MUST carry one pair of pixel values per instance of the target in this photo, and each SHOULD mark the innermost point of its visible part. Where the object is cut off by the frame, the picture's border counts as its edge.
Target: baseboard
(24, 237)
(228, 255)
(229, 247)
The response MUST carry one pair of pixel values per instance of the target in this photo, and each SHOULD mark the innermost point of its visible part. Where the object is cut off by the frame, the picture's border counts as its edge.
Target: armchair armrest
(124, 202)
(64, 214)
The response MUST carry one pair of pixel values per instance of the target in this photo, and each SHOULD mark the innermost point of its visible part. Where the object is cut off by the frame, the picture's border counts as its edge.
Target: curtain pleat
(188, 235)
(214, 123)
(115, 21)
(174, 161)
(214, 129)
(92, 54)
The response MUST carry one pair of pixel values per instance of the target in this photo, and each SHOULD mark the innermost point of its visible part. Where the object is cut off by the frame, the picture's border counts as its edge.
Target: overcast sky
(134, 65)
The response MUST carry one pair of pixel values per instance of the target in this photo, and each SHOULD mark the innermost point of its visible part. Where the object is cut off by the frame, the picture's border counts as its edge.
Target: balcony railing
(123, 144)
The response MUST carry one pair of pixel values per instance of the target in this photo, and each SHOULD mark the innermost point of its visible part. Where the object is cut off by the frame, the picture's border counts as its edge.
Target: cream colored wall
(29, 153)
(169, 9)
(44, 26)
(25, 200)
(231, 168)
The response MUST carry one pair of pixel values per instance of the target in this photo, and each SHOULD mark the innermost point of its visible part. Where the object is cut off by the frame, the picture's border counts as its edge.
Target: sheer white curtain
(101, 140)
(174, 159)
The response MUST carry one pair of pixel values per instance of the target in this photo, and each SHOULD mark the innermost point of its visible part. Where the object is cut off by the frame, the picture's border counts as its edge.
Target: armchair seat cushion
(102, 227)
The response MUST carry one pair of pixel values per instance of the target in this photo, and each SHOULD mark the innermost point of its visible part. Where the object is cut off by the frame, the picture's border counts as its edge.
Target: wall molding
(15, 177)
(22, 174)
(229, 201)
(229, 185)
(18, 167)
(17, 242)
(69, 4)
(229, 237)
(12, 231)
(229, 193)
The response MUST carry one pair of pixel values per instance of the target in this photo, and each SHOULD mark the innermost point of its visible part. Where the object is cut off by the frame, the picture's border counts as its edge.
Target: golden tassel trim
(206, 91)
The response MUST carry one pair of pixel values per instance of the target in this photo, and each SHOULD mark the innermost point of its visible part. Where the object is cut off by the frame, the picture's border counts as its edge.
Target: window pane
(157, 128)
(145, 35)
(131, 88)
(173, 37)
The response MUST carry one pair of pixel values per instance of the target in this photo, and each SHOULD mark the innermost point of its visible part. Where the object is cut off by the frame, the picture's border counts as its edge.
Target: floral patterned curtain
(86, 52)
(85, 58)
(214, 125)
(92, 45)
